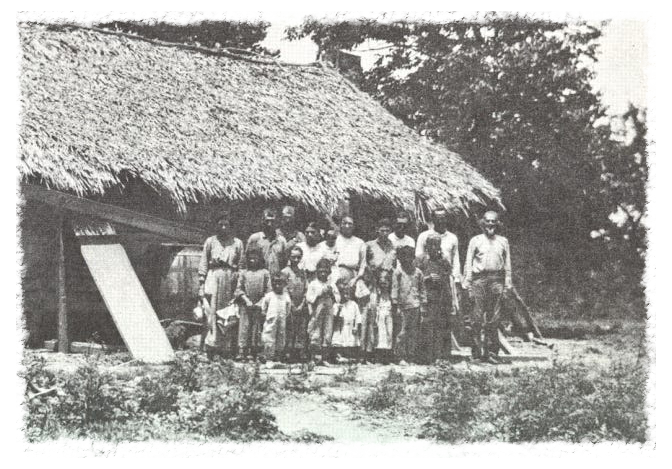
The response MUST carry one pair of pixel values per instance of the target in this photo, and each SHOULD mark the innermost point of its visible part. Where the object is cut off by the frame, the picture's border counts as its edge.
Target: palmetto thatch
(98, 108)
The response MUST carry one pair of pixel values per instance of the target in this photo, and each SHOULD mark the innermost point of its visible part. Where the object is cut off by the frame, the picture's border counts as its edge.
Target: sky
(625, 71)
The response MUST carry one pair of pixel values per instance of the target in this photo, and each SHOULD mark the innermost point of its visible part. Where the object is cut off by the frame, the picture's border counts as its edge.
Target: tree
(514, 97)
(624, 177)
(243, 35)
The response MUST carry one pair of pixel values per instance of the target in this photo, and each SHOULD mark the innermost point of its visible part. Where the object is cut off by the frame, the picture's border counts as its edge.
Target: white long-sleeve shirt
(486, 254)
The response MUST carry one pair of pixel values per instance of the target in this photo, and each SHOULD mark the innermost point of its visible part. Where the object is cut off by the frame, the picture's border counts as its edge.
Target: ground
(326, 401)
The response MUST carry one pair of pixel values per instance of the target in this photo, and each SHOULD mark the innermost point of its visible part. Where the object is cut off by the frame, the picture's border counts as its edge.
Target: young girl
(347, 324)
(320, 297)
(380, 307)
(275, 307)
(253, 283)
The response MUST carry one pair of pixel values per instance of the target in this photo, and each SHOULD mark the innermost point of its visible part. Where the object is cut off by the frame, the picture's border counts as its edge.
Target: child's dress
(321, 297)
(383, 318)
(347, 318)
(275, 308)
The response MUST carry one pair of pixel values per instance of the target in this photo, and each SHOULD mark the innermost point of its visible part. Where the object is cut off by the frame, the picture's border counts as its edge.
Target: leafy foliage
(387, 393)
(455, 403)
(243, 35)
(513, 95)
(91, 396)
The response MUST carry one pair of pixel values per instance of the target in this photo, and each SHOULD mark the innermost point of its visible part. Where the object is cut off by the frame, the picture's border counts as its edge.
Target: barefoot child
(253, 283)
(320, 297)
(347, 324)
(380, 307)
(409, 301)
(275, 308)
(297, 320)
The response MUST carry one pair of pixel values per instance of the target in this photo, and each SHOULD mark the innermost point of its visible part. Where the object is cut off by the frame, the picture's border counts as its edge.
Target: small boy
(435, 323)
(321, 296)
(408, 301)
(347, 324)
(275, 307)
(380, 307)
(297, 320)
(253, 283)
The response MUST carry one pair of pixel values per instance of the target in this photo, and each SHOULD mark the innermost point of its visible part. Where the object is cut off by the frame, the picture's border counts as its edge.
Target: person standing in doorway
(351, 253)
(272, 246)
(288, 229)
(399, 237)
(487, 277)
(313, 250)
(217, 278)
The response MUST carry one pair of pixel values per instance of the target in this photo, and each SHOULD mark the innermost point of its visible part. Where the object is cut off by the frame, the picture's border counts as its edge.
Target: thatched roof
(100, 107)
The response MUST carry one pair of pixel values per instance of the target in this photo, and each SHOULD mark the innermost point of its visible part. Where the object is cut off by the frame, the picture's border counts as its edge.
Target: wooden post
(63, 341)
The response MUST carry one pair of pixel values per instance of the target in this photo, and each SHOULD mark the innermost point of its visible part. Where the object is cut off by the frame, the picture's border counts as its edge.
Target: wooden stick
(63, 340)
(526, 313)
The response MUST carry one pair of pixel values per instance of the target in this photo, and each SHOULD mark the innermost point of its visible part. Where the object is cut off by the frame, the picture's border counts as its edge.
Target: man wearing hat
(273, 247)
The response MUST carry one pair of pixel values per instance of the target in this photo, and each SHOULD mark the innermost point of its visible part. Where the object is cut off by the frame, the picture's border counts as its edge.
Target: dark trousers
(488, 292)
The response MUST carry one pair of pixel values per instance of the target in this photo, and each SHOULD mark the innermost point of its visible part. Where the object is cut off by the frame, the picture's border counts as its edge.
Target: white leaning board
(127, 302)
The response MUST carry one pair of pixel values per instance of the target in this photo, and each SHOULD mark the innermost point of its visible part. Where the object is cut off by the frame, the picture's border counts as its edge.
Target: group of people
(288, 295)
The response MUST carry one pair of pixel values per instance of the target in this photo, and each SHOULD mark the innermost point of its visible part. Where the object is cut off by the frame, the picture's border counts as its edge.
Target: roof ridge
(205, 50)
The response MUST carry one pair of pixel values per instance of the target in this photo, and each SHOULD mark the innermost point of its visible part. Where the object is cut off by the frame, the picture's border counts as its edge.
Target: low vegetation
(192, 408)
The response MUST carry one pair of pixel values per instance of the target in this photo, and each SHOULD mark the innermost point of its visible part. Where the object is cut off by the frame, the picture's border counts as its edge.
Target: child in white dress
(347, 325)
(381, 305)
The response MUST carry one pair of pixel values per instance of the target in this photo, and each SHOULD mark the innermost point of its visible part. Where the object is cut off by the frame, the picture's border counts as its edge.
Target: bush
(41, 420)
(184, 371)
(234, 411)
(566, 403)
(387, 393)
(157, 394)
(348, 375)
(299, 382)
(90, 396)
(455, 401)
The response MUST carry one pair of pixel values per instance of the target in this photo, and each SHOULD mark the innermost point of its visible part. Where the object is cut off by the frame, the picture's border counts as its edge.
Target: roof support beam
(170, 229)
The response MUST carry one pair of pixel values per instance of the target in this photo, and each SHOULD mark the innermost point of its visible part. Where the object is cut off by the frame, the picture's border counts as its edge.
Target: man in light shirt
(487, 277)
(399, 237)
(449, 244)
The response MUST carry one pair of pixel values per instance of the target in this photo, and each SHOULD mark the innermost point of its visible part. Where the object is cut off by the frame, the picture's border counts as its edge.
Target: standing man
(399, 236)
(351, 253)
(288, 228)
(273, 247)
(487, 277)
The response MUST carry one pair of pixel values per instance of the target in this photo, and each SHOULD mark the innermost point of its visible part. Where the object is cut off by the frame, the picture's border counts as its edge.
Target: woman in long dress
(217, 276)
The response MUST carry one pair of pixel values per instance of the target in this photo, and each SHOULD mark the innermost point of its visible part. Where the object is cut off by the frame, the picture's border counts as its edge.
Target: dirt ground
(326, 410)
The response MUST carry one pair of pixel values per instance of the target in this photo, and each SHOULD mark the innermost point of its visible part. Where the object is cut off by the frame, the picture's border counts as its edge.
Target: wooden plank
(504, 344)
(63, 341)
(127, 302)
(152, 224)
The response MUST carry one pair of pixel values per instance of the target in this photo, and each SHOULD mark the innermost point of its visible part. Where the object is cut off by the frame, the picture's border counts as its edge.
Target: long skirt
(219, 286)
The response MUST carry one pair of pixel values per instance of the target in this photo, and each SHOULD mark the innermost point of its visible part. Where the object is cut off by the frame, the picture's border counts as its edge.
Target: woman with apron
(217, 277)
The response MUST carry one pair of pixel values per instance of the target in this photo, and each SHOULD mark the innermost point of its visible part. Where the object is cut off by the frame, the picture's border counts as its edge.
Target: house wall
(88, 316)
